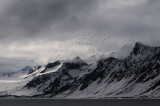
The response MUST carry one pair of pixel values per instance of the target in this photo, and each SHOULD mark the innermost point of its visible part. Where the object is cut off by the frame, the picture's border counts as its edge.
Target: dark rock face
(74, 65)
(103, 67)
(57, 82)
(38, 80)
(51, 65)
(141, 66)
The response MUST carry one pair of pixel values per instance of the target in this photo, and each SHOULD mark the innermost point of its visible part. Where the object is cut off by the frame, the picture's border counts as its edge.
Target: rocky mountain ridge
(136, 76)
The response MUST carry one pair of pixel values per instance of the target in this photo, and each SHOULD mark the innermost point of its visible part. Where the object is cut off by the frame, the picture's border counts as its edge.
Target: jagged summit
(141, 48)
(77, 59)
(136, 76)
(142, 45)
(139, 44)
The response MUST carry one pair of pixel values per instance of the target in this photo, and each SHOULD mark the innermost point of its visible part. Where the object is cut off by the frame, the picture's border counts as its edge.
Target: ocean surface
(81, 102)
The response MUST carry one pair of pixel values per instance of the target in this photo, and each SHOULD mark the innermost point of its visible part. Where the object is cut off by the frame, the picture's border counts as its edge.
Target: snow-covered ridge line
(54, 70)
(135, 76)
(34, 73)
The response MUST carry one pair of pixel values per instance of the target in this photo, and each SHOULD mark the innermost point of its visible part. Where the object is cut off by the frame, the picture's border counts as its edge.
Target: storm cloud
(42, 30)
(28, 18)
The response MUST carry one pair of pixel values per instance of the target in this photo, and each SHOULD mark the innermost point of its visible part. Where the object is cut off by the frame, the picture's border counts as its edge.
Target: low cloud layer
(44, 30)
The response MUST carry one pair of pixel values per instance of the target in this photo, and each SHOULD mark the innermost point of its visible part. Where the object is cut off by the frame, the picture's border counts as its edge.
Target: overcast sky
(38, 31)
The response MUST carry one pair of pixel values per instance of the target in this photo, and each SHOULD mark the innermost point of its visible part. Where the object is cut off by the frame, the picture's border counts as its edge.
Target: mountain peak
(141, 48)
(77, 59)
(139, 44)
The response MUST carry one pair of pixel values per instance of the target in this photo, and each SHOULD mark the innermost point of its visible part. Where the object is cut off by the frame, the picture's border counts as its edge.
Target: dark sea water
(82, 102)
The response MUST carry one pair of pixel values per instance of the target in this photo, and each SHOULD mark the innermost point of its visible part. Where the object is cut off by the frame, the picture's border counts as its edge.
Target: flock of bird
(87, 39)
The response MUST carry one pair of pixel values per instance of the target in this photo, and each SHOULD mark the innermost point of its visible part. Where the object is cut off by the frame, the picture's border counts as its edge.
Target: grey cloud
(30, 18)
(25, 21)
(138, 22)
(27, 17)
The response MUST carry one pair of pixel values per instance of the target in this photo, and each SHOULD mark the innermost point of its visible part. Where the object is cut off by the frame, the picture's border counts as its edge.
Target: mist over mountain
(134, 76)
(34, 32)
(79, 48)
(123, 52)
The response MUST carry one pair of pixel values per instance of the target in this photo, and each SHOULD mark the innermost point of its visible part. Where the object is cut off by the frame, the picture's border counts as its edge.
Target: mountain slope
(135, 76)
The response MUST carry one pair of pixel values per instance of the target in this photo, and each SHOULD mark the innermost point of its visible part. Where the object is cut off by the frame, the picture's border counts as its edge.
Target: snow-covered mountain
(134, 76)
